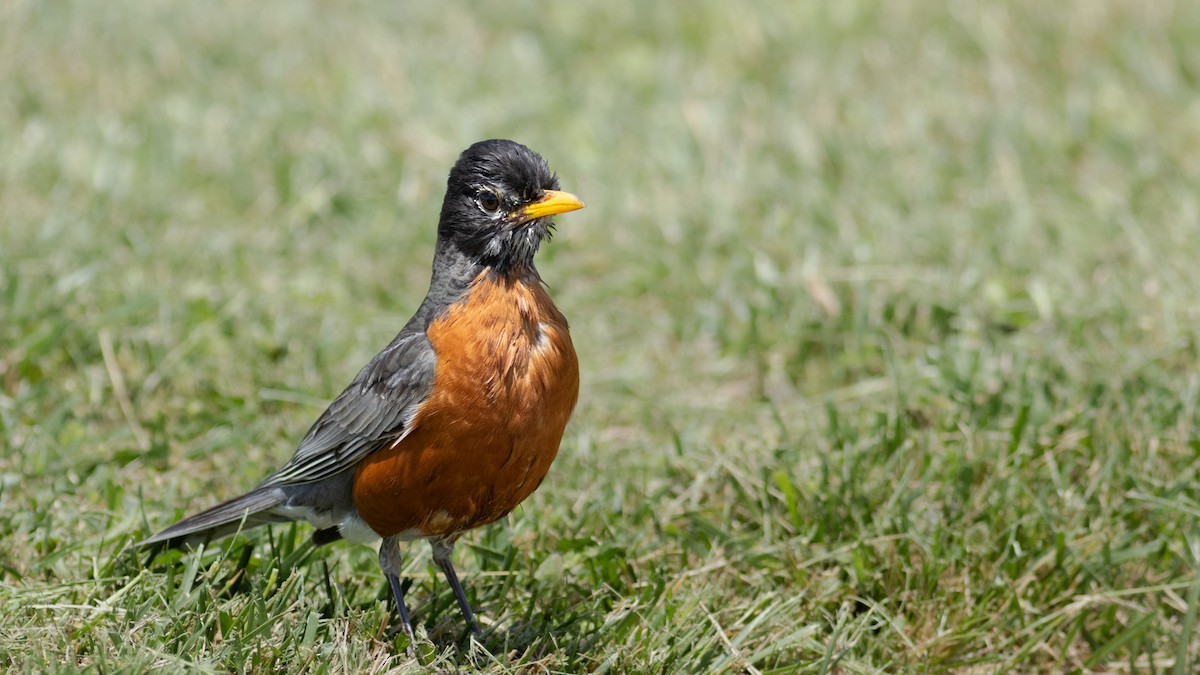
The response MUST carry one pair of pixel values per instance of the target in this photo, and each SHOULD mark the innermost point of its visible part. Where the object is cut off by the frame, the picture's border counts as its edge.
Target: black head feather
(488, 186)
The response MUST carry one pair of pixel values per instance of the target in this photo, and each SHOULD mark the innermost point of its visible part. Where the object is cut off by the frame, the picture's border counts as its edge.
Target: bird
(457, 420)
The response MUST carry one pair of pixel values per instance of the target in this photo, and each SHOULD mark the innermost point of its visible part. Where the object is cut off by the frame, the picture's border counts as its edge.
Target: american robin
(457, 420)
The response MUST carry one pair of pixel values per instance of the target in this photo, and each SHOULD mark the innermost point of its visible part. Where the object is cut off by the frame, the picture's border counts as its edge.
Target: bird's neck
(453, 274)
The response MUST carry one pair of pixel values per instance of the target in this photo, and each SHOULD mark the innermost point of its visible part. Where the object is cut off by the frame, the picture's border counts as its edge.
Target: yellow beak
(554, 202)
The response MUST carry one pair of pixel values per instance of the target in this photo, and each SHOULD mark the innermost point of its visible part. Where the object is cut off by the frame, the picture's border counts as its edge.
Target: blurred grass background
(887, 314)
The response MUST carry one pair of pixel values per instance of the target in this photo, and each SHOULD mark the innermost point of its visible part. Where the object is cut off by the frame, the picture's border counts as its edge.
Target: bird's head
(499, 199)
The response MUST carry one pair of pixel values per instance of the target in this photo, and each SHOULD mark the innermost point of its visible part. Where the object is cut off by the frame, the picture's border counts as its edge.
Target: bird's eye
(489, 201)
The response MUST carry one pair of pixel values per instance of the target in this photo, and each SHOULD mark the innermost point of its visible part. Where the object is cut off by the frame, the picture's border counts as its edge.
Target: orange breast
(506, 382)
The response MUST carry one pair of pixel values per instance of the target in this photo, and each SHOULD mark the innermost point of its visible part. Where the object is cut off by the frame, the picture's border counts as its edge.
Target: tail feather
(240, 513)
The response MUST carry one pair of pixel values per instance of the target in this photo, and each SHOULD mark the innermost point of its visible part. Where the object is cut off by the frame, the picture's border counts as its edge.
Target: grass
(887, 311)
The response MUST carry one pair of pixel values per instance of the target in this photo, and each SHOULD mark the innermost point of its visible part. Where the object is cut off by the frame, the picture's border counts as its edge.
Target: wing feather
(376, 409)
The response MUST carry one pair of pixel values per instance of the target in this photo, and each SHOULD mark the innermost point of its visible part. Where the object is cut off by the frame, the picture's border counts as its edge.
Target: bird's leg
(442, 548)
(389, 562)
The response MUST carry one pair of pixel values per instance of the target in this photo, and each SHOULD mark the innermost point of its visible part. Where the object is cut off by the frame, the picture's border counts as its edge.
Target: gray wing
(376, 409)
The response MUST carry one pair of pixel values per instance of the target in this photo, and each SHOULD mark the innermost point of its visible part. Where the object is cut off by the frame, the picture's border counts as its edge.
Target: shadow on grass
(253, 583)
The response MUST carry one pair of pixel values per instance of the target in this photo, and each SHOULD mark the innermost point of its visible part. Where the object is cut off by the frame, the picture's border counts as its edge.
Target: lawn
(888, 316)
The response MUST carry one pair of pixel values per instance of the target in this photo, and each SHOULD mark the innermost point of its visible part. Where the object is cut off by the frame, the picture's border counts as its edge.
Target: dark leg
(441, 555)
(389, 562)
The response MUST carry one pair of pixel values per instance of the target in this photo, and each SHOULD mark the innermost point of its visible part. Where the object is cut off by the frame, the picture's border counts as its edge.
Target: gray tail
(240, 513)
